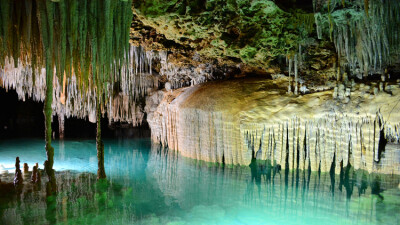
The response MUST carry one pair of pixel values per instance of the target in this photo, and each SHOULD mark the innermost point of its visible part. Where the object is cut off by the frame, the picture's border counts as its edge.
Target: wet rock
(34, 174)
(26, 168)
(35, 178)
(18, 174)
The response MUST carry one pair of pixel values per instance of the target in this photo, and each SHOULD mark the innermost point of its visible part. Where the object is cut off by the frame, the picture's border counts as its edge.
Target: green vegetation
(254, 31)
(364, 33)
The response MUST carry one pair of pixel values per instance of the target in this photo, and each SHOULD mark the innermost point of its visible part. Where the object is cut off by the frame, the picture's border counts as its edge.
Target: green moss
(248, 53)
(254, 31)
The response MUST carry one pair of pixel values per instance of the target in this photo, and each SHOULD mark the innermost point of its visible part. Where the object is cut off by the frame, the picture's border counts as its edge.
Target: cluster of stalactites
(294, 63)
(184, 75)
(366, 34)
(81, 38)
(338, 140)
(137, 75)
(315, 143)
(71, 100)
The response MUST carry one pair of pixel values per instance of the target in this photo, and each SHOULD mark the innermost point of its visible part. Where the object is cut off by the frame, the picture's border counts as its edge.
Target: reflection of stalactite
(262, 185)
(172, 180)
(18, 174)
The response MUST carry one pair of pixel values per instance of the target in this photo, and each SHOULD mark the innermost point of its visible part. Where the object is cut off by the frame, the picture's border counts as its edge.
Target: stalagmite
(26, 168)
(18, 173)
(35, 178)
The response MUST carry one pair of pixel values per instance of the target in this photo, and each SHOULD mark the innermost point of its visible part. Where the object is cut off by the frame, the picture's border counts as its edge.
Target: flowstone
(228, 121)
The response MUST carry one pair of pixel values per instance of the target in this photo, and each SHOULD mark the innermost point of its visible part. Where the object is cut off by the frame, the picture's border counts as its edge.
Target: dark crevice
(382, 143)
(332, 174)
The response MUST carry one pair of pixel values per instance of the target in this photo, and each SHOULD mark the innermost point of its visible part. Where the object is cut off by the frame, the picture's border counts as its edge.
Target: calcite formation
(234, 121)
(72, 100)
(122, 97)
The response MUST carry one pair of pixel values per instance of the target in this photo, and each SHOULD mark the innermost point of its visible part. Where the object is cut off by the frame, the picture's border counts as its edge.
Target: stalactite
(314, 142)
(61, 120)
(66, 46)
(366, 40)
(64, 36)
(101, 173)
(318, 23)
(121, 101)
(48, 112)
(290, 73)
(296, 85)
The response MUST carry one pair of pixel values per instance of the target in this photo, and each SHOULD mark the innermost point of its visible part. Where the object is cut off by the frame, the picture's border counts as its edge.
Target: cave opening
(24, 119)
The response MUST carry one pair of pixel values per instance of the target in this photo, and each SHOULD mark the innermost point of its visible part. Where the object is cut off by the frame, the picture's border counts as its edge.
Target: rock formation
(18, 173)
(229, 121)
(26, 168)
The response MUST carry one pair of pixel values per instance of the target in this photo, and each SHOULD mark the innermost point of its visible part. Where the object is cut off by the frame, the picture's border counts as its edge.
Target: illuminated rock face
(233, 120)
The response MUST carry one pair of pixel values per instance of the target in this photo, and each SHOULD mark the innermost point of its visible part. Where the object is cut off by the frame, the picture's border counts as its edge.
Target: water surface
(150, 185)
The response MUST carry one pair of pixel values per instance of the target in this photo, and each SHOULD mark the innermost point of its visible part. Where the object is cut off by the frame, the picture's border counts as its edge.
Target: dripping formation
(365, 35)
(308, 132)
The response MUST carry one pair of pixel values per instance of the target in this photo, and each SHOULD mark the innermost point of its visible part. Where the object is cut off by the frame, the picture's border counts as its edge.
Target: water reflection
(283, 195)
(151, 185)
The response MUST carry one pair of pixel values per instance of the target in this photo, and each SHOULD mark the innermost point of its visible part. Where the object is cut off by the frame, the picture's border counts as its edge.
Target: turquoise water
(149, 185)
